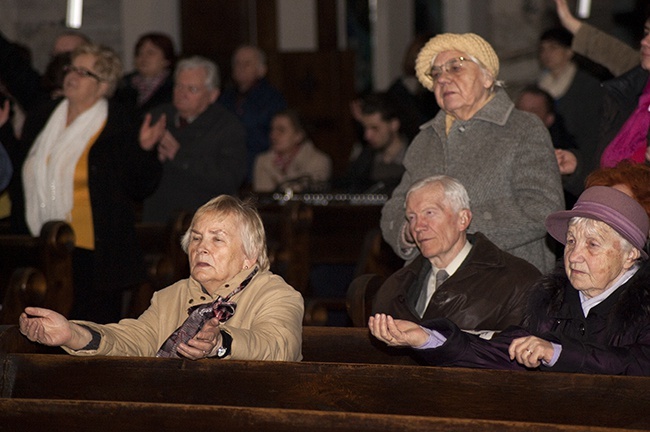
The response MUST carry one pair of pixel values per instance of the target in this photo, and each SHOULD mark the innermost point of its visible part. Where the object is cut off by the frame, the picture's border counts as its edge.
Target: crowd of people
(484, 196)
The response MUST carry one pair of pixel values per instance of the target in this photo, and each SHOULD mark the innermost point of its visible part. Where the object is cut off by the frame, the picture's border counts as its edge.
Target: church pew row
(100, 416)
(504, 396)
(319, 344)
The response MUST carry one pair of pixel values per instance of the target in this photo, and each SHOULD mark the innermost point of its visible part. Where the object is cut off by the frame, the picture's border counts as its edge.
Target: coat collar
(496, 111)
(630, 303)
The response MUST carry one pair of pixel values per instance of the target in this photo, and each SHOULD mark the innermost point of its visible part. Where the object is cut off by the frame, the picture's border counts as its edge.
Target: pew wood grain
(568, 399)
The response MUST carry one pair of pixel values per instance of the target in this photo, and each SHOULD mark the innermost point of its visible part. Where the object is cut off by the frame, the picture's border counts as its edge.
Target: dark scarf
(222, 308)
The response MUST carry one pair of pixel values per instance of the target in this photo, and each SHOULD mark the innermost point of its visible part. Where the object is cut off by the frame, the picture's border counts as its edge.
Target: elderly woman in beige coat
(231, 306)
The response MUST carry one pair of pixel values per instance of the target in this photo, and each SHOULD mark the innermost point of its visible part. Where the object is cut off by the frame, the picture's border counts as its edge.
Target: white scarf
(48, 172)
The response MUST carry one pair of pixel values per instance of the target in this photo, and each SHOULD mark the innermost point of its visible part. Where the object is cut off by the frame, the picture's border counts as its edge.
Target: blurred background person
(415, 103)
(253, 99)
(293, 161)
(376, 163)
(578, 94)
(151, 83)
(82, 164)
(201, 146)
(569, 158)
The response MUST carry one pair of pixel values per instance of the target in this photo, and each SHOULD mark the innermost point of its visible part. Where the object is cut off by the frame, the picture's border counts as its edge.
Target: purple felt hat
(611, 206)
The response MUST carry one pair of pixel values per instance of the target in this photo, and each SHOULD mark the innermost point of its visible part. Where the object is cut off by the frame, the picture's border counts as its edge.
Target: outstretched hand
(204, 343)
(51, 328)
(397, 332)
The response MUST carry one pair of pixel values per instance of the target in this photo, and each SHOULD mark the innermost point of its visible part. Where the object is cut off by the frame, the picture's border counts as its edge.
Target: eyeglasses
(189, 88)
(82, 72)
(453, 67)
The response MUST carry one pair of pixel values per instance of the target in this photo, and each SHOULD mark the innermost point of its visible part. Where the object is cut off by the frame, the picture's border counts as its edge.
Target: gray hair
(250, 223)
(593, 226)
(455, 192)
(212, 79)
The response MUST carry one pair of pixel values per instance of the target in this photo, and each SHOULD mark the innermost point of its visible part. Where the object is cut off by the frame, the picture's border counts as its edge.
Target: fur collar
(632, 306)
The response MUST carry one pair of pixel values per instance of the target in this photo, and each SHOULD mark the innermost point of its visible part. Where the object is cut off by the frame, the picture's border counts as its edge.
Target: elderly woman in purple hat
(590, 316)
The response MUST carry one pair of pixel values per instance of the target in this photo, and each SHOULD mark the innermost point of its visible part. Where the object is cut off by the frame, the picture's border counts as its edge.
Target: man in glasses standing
(201, 145)
(504, 157)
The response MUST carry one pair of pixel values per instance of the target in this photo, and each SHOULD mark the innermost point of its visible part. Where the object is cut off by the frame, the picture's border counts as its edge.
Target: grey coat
(504, 158)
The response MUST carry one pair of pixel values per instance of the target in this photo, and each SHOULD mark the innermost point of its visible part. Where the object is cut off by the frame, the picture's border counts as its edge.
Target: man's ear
(464, 218)
(214, 95)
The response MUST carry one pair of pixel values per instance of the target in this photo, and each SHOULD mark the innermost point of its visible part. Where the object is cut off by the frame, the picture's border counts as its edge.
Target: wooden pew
(81, 416)
(319, 344)
(44, 263)
(505, 396)
(165, 260)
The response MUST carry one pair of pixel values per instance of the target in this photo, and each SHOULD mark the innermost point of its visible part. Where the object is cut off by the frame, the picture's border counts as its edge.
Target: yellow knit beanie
(469, 43)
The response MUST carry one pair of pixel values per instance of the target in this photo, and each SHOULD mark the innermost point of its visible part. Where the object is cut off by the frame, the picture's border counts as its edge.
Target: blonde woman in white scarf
(84, 166)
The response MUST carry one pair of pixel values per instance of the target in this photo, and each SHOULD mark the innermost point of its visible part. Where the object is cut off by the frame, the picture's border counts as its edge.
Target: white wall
(392, 24)
(298, 25)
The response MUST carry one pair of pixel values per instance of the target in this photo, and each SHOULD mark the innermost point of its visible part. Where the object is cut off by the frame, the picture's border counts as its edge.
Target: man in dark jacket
(486, 288)
(591, 316)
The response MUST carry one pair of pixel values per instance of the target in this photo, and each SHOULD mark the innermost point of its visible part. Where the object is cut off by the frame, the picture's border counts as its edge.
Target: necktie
(426, 294)
(221, 308)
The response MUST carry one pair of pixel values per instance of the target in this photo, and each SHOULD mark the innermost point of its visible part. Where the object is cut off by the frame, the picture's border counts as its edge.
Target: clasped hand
(204, 343)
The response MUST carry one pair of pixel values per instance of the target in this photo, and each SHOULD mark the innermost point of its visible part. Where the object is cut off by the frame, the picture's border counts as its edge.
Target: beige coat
(604, 49)
(267, 324)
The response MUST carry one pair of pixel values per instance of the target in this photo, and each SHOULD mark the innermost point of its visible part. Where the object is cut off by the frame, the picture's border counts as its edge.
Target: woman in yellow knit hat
(504, 157)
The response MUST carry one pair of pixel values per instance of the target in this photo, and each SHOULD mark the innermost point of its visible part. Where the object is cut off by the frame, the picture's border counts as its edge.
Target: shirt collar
(589, 303)
(458, 260)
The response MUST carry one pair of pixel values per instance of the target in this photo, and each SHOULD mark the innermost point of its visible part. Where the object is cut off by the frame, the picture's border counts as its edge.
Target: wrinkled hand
(530, 351)
(566, 161)
(5, 112)
(567, 19)
(396, 332)
(46, 327)
(151, 134)
(205, 341)
(168, 147)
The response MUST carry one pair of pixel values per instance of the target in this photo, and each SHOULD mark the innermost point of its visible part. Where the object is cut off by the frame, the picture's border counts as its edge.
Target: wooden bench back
(572, 399)
(37, 271)
(81, 416)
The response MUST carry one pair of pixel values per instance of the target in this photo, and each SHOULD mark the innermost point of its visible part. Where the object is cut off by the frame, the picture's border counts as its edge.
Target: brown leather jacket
(489, 290)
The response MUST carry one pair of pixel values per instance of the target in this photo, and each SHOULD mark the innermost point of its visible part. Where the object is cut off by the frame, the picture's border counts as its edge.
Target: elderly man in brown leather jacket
(463, 277)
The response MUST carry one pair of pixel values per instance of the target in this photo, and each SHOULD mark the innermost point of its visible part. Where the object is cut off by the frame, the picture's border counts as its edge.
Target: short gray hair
(594, 226)
(455, 192)
(212, 79)
(250, 223)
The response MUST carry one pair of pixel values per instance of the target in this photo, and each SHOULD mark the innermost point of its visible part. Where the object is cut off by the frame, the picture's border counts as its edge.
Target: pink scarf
(631, 141)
